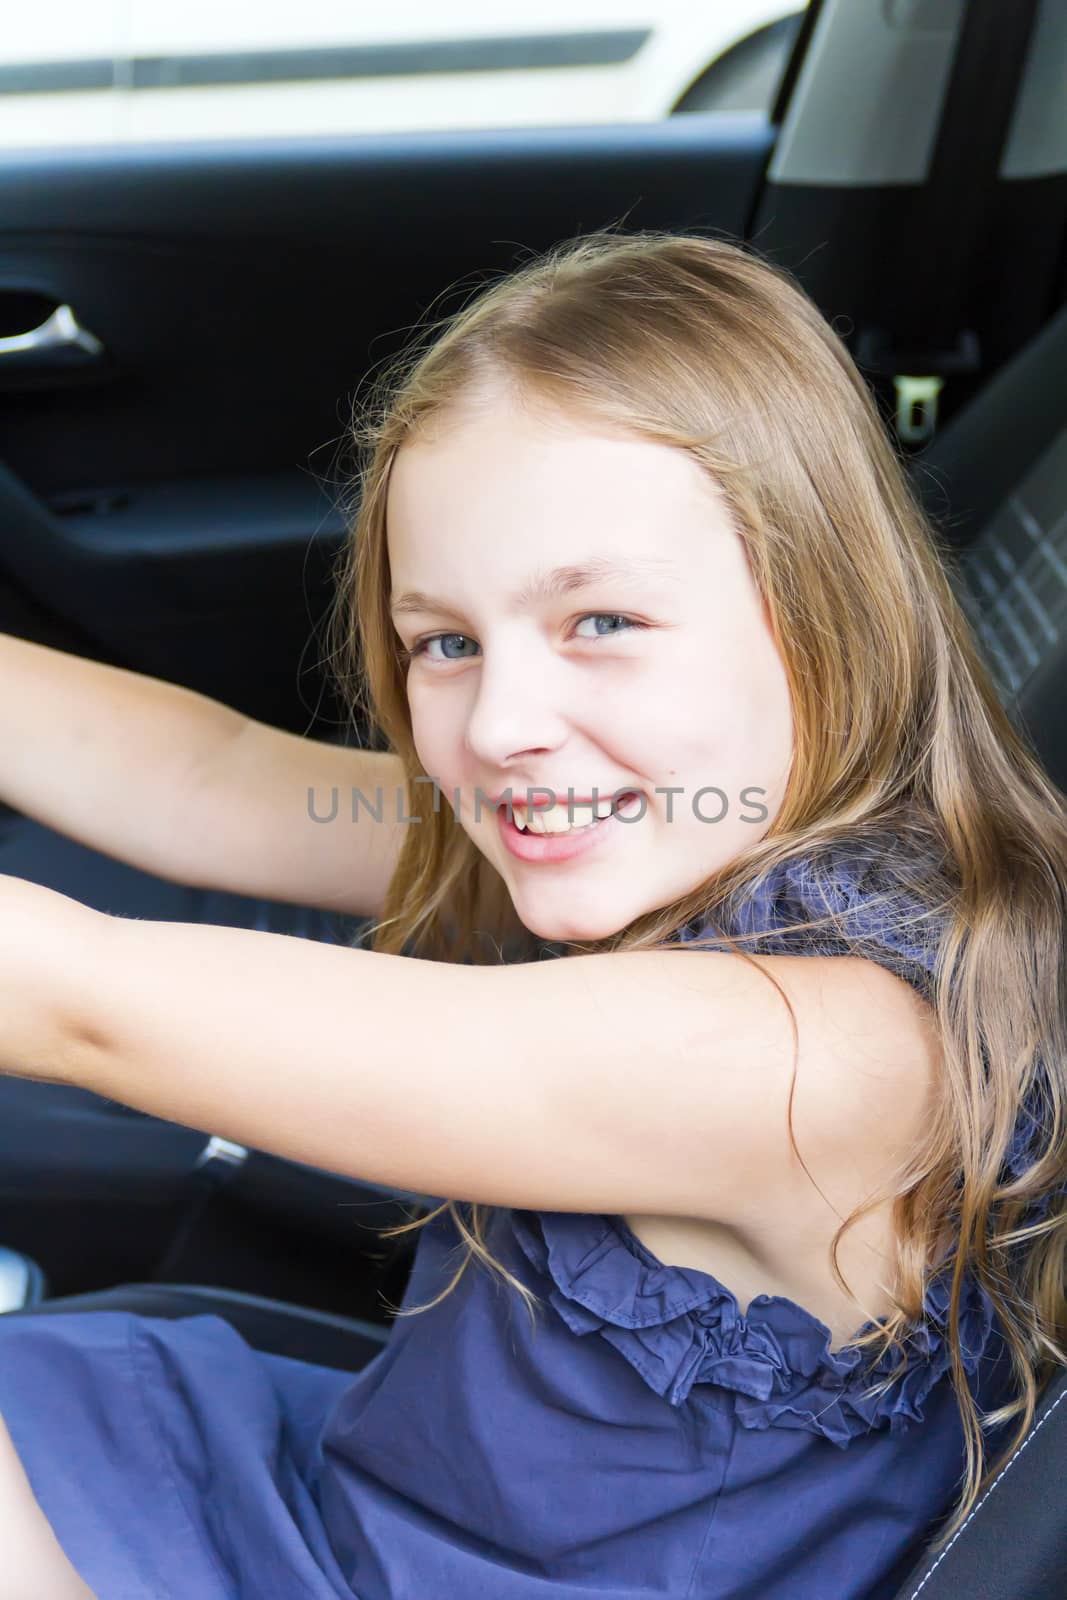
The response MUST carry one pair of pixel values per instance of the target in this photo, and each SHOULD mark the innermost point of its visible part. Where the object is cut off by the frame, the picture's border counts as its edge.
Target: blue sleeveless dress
(644, 1435)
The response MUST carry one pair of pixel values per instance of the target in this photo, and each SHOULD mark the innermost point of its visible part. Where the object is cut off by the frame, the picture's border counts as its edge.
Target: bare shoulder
(869, 1053)
(695, 1055)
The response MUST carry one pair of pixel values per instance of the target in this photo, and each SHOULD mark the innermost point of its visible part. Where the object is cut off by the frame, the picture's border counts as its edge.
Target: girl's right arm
(178, 784)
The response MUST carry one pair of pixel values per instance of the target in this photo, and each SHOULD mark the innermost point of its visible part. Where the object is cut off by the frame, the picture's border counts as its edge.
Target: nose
(518, 707)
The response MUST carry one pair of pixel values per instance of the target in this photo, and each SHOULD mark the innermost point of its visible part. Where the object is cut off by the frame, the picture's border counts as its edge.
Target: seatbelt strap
(987, 69)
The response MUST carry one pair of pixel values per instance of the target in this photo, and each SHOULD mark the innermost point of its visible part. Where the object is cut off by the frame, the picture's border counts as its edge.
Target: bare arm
(180, 785)
(99, 752)
(648, 1081)
(272, 815)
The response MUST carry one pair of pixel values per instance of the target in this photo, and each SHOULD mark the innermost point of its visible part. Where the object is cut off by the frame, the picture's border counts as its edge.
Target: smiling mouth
(575, 816)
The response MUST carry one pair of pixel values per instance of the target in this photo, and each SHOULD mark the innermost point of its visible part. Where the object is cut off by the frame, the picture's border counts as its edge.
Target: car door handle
(59, 342)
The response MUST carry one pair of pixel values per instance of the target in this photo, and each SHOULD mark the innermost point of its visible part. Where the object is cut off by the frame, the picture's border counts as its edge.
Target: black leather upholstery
(998, 476)
(1013, 1545)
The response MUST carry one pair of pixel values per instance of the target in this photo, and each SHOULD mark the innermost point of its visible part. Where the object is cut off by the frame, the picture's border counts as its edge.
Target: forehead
(506, 468)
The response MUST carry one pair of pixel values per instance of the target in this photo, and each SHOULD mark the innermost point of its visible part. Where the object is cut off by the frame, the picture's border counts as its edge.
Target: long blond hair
(700, 344)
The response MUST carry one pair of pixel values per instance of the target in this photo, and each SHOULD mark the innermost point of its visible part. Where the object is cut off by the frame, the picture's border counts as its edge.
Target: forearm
(105, 755)
(53, 969)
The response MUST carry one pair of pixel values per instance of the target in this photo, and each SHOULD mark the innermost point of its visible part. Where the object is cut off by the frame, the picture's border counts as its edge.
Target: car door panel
(176, 501)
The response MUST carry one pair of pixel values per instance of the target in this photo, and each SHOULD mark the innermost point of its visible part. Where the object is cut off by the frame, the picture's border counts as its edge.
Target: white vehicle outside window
(124, 71)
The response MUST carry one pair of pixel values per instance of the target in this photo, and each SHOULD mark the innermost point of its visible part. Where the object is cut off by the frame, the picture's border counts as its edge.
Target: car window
(127, 71)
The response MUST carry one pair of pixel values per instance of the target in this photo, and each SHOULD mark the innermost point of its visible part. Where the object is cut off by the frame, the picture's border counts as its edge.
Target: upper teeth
(555, 819)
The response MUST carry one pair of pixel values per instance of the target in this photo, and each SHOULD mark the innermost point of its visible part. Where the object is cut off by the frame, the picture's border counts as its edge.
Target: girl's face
(583, 617)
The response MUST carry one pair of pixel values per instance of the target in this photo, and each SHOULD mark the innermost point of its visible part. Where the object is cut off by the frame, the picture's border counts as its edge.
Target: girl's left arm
(651, 1081)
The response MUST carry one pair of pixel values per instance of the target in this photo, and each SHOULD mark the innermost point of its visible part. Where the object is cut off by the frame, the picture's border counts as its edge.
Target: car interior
(171, 481)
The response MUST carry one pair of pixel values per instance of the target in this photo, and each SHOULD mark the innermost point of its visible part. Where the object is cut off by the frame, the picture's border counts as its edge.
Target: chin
(586, 927)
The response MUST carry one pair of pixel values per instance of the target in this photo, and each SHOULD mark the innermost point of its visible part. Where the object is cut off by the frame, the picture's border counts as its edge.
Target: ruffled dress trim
(679, 1327)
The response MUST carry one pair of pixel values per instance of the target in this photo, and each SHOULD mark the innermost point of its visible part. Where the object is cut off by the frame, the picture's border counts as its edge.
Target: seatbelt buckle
(918, 372)
(915, 417)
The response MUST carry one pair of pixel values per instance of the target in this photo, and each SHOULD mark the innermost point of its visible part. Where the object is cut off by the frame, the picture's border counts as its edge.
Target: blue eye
(422, 648)
(607, 616)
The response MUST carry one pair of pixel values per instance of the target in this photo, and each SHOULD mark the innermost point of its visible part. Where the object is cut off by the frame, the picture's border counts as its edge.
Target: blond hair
(700, 344)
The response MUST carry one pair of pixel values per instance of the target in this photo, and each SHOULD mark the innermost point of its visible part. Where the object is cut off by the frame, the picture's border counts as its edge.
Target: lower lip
(559, 846)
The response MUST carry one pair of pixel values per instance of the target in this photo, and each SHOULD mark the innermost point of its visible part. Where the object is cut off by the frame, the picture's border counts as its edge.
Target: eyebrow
(559, 581)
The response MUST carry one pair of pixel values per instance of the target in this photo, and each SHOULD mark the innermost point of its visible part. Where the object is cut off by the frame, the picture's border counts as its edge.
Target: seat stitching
(988, 1492)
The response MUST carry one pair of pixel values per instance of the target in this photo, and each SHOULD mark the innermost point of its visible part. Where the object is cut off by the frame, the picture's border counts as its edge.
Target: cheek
(422, 728)
(437, 733)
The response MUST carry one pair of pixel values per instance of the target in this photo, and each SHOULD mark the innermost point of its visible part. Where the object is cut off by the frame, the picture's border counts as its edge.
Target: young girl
(748, 1264)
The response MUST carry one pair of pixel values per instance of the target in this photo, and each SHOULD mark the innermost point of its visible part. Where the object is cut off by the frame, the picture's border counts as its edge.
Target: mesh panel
(1015, 588)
